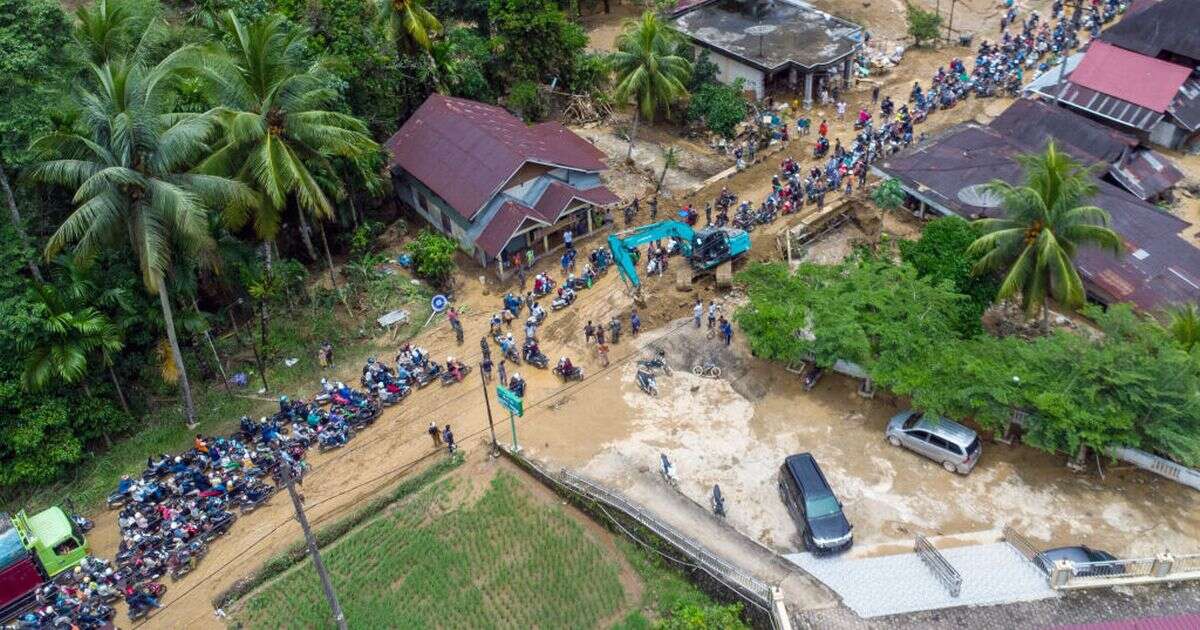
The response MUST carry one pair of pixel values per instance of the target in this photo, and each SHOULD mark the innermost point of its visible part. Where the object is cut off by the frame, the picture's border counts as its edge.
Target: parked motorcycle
(812, 376)
(646, 383)
(718, 501)
(565, 300)
(659, 362)
(448, 377)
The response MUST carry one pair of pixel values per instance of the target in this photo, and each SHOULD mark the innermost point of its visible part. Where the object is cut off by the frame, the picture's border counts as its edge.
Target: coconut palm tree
(1184, 325)
(1044, 224)
(648, 70)
(279, 133)
(410, 26)
(105, 29)
(129, 166)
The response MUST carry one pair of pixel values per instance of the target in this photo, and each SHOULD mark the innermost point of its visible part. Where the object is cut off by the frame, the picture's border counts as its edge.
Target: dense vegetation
(1130, 383)
(178, 179)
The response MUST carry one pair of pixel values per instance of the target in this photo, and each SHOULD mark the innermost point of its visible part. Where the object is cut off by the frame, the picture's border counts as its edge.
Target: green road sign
(510, 400)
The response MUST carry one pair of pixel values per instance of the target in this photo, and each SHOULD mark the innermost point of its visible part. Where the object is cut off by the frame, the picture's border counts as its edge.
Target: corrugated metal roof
(558, 196)
(1110, 107)
(970, 155)
(465, 151)
(1130, 76)
(1186, 107)
(1170, 26)
(1033, 123)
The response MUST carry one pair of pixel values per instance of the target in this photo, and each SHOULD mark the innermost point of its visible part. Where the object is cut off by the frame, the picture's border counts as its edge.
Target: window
(912, 421)
(446, 224)
(954, 448)
(822, 506)
(919, 435)
(939, 442)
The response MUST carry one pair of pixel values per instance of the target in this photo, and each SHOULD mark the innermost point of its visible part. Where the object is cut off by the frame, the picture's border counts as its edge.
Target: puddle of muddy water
(736, 431)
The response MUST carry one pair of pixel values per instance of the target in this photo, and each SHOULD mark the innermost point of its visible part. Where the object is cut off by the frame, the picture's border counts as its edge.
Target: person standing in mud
(435, 434)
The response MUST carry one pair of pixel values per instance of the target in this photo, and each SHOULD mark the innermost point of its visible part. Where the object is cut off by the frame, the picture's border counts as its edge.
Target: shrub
(433, 256)
(524, 97)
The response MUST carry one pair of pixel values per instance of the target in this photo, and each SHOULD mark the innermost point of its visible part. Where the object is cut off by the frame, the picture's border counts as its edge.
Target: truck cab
(33, 550)
(51, 535)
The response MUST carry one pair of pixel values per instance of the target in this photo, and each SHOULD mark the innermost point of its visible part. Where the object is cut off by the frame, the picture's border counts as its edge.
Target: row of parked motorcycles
(179, 505)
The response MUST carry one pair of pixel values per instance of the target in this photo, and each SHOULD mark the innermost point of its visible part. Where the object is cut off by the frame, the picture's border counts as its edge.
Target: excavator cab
(710, 248)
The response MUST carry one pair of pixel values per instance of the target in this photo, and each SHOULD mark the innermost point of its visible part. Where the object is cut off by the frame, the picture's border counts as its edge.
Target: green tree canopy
(941, 254)
(409, 24)
(1129, 385)
(923, 26)
(533, 40)
(721, 107)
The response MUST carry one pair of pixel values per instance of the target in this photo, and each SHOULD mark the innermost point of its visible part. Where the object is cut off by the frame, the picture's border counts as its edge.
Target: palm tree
(1044, 225)
(129, 167)
(648, 70)
(409, 24)
(279, 135)
(104, 29)
(1184, 325)
(70, 335)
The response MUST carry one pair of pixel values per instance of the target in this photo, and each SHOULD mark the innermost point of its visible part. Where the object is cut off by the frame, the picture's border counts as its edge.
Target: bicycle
(708, 369)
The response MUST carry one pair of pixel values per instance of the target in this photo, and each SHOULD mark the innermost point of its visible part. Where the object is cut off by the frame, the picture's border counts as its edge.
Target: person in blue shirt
(726, 330)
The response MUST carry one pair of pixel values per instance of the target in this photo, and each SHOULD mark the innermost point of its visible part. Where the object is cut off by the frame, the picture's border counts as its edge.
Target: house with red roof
(499, 187)
(1140, 76)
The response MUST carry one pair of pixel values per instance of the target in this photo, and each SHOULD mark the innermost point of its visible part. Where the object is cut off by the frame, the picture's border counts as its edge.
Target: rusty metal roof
(1157, 267)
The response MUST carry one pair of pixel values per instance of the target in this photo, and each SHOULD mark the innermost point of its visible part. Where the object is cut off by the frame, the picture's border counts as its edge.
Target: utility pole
(1062, 66)
(488, 404)
(950, 24)
(339, 617)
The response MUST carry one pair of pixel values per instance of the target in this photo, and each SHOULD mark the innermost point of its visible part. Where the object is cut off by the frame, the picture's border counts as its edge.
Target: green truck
(34, 550)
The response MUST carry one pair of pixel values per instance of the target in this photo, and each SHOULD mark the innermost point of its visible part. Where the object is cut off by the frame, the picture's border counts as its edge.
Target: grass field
(504, 561)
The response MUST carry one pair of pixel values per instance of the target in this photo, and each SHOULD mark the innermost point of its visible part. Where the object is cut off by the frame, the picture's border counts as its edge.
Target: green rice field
(505, 560)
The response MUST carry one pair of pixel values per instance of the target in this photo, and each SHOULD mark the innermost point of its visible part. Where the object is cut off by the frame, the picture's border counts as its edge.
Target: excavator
(705, 249)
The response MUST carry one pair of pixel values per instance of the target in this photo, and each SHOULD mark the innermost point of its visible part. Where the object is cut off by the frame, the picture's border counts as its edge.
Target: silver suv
(943, 440)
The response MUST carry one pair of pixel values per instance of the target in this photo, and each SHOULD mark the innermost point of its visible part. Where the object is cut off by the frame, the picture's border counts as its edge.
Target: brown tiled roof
(465, 150)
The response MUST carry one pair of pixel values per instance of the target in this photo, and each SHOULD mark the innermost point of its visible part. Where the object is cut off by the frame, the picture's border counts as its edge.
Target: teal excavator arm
(622, 243)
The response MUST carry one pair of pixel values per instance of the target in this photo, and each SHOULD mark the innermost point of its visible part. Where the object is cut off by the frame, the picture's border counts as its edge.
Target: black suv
(818, 513)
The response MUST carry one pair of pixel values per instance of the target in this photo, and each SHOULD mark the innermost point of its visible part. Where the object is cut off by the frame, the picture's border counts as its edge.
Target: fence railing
(724, 572)
(938, 564)
(1019, 542)
(746, 587)
(1161, 568)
